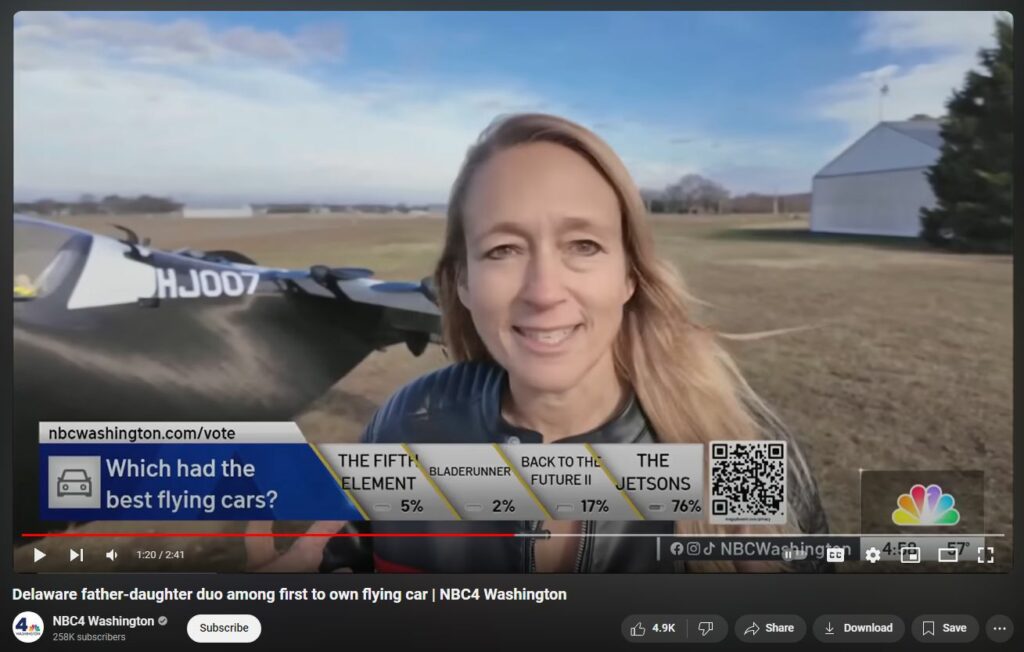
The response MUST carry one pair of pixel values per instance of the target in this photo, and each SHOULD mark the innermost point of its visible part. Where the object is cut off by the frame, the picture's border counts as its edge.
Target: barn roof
(888, 146)
(926, 131)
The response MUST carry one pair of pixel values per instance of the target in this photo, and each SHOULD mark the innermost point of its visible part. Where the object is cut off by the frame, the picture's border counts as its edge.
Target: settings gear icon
(873, 554)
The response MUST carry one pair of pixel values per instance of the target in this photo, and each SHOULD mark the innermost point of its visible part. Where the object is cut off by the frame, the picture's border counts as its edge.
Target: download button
(858, 628)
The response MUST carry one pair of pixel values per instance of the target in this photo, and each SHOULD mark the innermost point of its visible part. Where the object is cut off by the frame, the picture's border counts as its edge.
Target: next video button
(224, 628)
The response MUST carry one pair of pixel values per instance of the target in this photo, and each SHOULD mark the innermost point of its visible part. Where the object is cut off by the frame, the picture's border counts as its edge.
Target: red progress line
(164, 535)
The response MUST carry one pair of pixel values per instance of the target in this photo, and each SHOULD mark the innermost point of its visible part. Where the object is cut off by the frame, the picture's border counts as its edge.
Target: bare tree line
(694, 193)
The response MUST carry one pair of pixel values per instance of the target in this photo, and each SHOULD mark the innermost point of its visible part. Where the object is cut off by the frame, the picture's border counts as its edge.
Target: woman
(565, 327)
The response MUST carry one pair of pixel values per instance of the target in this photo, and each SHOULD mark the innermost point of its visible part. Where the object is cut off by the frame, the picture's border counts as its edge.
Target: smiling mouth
(546, 336)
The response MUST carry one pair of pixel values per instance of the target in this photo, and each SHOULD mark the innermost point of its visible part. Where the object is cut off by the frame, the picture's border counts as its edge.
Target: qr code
(748, 482)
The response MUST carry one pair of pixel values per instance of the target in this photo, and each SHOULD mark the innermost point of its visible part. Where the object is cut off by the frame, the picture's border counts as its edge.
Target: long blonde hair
(688, 386)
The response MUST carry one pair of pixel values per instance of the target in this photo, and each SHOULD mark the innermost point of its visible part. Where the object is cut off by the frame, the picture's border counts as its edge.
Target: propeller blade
(351, 273)
(322, 273)
(396, 287)
(278, 274)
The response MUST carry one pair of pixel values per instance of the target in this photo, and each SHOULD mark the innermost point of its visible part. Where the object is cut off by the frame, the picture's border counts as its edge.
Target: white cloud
(895, 31)
(943, 46)
(190, 112)
(113, 104)
(174, 43)
(881, 75)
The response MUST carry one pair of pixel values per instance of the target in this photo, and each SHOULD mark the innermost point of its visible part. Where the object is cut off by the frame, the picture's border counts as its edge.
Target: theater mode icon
(926, 506)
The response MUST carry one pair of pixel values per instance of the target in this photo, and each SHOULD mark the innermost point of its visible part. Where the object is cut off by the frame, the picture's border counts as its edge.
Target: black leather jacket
(461, 403)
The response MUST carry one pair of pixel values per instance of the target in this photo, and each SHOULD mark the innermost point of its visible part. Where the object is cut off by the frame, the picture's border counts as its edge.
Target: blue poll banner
(268, 471)
(161, 471)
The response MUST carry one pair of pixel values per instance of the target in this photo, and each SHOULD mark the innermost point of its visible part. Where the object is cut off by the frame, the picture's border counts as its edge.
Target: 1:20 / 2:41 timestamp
(160, 554)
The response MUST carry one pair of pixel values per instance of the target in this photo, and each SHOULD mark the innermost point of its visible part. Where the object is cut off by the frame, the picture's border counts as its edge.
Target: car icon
(74, 482)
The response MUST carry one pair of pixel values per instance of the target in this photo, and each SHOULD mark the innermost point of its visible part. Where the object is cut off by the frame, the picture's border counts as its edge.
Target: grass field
(908, 364)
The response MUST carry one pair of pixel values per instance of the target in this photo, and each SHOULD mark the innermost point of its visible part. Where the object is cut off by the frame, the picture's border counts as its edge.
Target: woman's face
(546, 276)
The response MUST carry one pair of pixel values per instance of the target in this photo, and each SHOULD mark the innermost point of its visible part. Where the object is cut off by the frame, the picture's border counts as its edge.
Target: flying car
(112, 329)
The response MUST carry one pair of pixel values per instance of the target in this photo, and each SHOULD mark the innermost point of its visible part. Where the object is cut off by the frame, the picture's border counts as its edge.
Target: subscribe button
(224, 628)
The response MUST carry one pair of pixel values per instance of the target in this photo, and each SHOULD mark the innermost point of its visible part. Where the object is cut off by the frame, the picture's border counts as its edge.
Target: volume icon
(111, 554)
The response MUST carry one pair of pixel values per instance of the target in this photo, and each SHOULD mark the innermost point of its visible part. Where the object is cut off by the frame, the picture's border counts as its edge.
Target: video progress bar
(469, 535)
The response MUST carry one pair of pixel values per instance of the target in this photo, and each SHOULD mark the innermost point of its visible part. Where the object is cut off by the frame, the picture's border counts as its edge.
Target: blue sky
(265, 106)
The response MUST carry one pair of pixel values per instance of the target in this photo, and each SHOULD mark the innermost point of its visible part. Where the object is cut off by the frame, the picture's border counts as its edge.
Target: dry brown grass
(909, 367)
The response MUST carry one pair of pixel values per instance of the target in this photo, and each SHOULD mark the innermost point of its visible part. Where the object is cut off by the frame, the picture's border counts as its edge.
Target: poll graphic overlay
(184, 471)
(609, 482)
(269, 471)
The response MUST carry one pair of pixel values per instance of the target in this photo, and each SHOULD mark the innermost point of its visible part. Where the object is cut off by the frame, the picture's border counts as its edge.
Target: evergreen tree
(973, 177)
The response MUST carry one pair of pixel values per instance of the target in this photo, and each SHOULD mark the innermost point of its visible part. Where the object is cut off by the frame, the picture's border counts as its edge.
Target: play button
(37, 554)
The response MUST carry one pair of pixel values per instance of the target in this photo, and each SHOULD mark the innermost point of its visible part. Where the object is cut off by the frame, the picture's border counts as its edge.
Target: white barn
(198, 212)
(877, 186)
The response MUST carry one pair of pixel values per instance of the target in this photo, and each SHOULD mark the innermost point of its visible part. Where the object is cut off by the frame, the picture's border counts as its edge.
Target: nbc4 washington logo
(926, 506)
(28, 626)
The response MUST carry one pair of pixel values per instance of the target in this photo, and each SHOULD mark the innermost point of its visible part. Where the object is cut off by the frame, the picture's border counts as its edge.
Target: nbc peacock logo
(926, 506)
